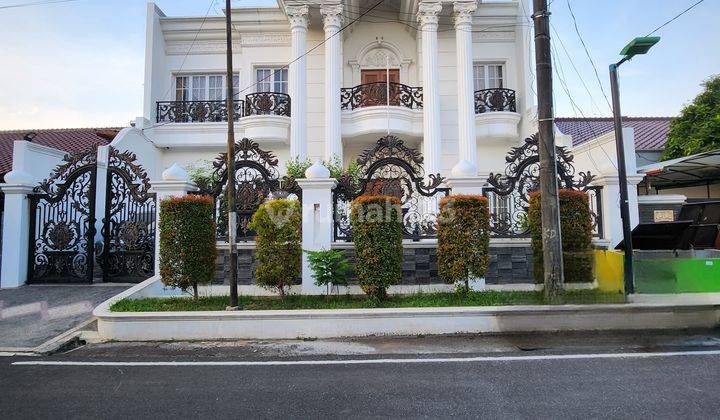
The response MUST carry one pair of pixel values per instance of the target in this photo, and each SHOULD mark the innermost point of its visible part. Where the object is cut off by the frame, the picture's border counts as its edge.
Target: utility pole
(551, 233)
(230, 164)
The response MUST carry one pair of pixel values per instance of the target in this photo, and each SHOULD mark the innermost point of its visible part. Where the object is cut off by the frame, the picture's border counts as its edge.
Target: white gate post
(317, 219)
(464, 179)
(16, 226)
(174, 183)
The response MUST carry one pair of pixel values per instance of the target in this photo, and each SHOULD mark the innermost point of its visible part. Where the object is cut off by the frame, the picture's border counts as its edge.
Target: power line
(35, 3)
(675, 17)
(587, 52)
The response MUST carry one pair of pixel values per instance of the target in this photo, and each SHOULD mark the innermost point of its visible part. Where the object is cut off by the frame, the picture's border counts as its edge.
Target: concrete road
(31, 315)
(550, 376)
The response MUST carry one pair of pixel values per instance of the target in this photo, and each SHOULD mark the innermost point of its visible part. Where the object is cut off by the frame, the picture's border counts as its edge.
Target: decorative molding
(332, 15)
(298, 16)
(493, 36)
(198, 47)
(464, 12)
(277, 38)
(428, 13)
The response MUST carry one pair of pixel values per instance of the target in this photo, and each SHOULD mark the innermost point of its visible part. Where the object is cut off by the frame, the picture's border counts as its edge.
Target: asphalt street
(626, 376)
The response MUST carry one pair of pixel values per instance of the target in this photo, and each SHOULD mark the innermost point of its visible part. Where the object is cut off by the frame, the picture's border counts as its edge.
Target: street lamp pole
(637, 46)
(622, 180)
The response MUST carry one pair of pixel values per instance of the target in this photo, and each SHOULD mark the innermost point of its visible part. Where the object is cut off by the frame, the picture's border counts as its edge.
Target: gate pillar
(317, 219)
(16, 229)
(174, 183)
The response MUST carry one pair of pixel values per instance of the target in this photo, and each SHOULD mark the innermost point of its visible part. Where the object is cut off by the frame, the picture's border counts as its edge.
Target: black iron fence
(499, 99)
(260, 103)
(376, 94)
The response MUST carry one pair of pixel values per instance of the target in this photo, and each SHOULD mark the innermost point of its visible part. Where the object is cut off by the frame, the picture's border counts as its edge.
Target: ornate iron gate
(129, 224)
(391, 168)
(62, 222)
(508, 193)
(63, 216)
(256, 177)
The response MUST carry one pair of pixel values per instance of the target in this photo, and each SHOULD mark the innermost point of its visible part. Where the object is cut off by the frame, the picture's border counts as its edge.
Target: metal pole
(230, 163)
(551, 233)
(622, 181)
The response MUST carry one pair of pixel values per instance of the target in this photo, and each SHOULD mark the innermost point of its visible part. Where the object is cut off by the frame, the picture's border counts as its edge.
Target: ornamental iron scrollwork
(256, 178)
(197, 111)
(492, 100)
(376, 94)
(267, 103)
(391, 168)
(128, 249)
(509, 193)
(62, 222)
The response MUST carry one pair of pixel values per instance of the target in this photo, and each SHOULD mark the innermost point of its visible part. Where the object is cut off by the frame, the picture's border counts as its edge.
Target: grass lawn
(418, 300)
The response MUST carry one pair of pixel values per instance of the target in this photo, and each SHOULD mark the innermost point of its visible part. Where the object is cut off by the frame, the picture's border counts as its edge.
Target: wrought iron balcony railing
(490, 100)
(376, 94)
(267, 103)
(261, 103)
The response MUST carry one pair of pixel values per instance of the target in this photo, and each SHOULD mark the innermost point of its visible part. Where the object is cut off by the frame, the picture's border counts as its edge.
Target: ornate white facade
(435, 50)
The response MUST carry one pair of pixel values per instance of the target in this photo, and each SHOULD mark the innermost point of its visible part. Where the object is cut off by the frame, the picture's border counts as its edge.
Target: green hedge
(277, 245)
(187, 242)
(576, 226)
(463, 238)
(377, 232)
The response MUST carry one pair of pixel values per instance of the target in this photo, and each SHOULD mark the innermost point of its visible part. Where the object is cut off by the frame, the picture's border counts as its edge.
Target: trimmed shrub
(277, 244)
(576, 227)
(377, 232)
(187, 242)
(463, 238)
(330, 267)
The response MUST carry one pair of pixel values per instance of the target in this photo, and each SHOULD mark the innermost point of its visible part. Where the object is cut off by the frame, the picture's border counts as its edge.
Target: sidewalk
(32, 315)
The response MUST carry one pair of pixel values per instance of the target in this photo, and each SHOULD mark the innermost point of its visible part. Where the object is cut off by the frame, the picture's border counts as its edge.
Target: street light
(637, 46)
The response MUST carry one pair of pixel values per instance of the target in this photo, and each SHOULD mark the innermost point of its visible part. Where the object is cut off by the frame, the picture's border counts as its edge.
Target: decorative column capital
(428, 14)
(464, 12)
(298, 16)
(332, 15)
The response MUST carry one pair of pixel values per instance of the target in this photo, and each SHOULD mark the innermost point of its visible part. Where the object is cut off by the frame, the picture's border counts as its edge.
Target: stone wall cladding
(647, 211)
(508, 265)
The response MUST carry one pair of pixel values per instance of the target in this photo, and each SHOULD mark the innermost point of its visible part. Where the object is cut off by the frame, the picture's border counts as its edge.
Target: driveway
(31, 315)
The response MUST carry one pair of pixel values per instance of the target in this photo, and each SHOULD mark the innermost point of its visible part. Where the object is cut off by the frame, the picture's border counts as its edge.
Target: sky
(80, 63)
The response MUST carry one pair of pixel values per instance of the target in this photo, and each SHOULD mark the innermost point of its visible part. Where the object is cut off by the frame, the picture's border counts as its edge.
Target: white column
(332, 17)
(428, 18)
(297, 88)
(466, 110)
(174, 183)
(16, 225)
(317, 219)
(465, 180)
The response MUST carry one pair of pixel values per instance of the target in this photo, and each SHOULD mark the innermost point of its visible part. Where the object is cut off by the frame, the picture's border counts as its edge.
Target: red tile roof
(67, 139)
(650, 132)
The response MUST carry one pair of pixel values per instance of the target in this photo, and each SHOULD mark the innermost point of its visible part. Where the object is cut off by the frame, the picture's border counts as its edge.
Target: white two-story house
(310, 80)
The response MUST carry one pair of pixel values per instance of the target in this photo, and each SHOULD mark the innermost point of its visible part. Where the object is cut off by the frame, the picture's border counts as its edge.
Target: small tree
(330, 267)
(187, 242)
(277, 244)
(377, 232)
(463, 238)
(697, 129)
(576, 230)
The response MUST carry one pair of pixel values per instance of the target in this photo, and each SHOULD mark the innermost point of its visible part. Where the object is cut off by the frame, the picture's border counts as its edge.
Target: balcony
(376, 94)
(260, 103)
(496, 114)
(366, 111)
(262, 116)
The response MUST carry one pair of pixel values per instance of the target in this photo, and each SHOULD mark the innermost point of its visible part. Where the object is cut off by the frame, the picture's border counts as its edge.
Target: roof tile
(650, 132)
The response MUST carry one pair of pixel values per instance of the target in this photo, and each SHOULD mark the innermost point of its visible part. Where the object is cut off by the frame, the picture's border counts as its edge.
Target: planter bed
(418, 300)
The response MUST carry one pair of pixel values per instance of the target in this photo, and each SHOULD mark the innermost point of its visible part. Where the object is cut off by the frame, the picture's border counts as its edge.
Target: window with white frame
(271, 79)
(203, 87)
(488, 75)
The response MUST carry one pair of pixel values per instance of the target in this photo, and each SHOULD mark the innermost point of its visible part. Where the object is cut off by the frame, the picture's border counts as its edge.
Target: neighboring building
(459, 71)
(65, 139)
(650, 133)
